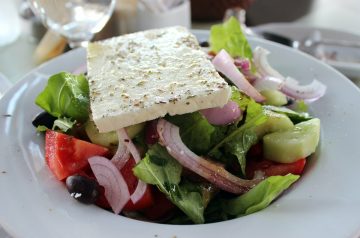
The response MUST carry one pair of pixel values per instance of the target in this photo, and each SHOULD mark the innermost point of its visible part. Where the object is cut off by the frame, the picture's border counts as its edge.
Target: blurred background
(25, 42)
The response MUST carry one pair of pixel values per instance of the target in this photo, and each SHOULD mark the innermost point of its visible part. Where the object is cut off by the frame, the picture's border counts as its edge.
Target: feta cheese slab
(145, 75)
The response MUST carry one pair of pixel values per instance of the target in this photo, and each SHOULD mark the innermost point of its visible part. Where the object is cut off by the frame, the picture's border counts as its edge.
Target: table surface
(16, 59)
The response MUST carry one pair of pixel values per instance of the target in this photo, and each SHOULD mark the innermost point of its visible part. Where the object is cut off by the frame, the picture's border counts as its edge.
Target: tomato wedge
(131, 180)
(270, 168)
(65, 155)
(162, 207)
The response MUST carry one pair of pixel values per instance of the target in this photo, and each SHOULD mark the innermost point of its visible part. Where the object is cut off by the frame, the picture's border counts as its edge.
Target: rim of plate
(304, 201)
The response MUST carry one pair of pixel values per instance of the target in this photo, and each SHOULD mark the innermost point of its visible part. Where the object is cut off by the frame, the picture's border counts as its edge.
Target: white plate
(299, 32)
(324, 203)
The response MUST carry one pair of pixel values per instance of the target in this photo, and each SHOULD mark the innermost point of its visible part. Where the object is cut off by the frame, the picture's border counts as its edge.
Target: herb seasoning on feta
(166, 64)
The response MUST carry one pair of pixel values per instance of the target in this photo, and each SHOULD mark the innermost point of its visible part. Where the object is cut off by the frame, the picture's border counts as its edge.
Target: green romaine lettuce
(240, 98)
(160, 169)
(196, 132)
(239, 141)
(230, 37)
(260, 196)
(66, 95)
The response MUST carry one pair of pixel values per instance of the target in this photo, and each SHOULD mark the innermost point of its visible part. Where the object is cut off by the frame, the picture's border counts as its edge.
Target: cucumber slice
(274, 97)
(275, 122)
(110, 138)
(105, 139)
(135, 129)
(289, 146)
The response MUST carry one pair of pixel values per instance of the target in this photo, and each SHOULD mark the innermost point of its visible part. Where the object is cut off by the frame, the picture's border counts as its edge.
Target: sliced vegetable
(288, 146)
(262, 64)
(272, 79)
(274, 97)
(66, 155)
(147, 200)
(225, 64)
(66, 95)
(223, 115)
(121, 156)
(109, 139)
(294, 116)
(105, 139)
(161, 209)
(170, 138)
(141, 186)
(270, 168)
(275, 122)
(310, 92)
(108, 176)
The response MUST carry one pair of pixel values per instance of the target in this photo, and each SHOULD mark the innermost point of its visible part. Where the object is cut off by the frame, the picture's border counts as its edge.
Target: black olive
(44, 119)
(85, 190)
(204, 44)
(290, 101)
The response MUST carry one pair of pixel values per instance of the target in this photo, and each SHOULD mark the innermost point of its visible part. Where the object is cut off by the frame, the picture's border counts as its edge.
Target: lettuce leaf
(240, 144)
(160, 169)
(240, 98)
(260, 196)
(239, 141)
(230, 37)
(66, 95)
(196, 132)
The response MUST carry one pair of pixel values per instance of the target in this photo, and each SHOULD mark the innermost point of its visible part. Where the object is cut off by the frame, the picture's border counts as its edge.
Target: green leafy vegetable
(239, 141)
(230, 37)
(66, 95)
(160, 169)
(260, 196)
(63, 124)
(196, 132)
(240, 98)
(240, 144)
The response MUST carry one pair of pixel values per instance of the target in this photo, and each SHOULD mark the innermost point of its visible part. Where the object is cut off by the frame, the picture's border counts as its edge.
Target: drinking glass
(77, 20)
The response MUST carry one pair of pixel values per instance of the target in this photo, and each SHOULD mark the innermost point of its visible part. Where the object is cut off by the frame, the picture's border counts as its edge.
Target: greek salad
(207, 166)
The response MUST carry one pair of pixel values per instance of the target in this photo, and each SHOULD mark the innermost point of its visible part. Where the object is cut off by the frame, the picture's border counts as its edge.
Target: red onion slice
(272, 79)
(170, 138)
(224, 63)
(223, 115)
(244, 65)
(141, 186)
(309, 92)
(268, 82)
(262, 65)
(121, 156)
(108, 176)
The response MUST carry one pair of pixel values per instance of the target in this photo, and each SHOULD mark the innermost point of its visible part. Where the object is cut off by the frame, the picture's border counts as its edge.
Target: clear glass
(77, 20)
